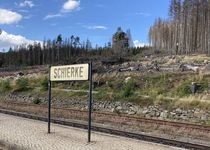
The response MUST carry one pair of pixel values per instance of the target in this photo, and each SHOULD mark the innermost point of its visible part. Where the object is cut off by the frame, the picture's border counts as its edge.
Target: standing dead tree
(187, 29)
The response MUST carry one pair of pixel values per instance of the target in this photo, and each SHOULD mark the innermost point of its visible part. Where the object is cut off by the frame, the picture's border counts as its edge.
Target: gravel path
(31, 135)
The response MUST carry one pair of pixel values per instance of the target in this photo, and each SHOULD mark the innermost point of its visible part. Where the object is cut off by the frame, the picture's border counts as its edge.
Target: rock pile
(194, 115)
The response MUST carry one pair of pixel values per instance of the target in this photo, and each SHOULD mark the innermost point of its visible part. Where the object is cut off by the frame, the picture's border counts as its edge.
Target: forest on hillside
(186, 31)
(57, 51)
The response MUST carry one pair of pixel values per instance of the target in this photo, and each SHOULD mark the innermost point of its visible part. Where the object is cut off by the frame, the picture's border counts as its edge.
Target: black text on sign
(77, 72)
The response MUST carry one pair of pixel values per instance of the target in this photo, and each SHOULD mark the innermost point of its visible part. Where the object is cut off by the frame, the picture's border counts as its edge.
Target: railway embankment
(194, 115)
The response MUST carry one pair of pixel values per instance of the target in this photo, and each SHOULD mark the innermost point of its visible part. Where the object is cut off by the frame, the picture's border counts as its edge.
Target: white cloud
(9, 17)
(9, 40)
(96, 27)
(27, 4)
(50, 16)
(139, 44)
(70, 5)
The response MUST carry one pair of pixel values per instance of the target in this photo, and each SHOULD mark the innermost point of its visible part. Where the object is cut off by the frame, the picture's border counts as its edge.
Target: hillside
(140, 85)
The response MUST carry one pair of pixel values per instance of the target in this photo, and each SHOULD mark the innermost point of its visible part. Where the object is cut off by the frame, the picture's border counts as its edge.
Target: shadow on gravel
(6, 146)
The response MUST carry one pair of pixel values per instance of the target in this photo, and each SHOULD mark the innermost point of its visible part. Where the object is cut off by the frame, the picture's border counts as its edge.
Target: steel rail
(124, 117)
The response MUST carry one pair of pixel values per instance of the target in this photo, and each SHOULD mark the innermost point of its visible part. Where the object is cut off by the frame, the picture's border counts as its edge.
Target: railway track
(101, 116)
(144, 137)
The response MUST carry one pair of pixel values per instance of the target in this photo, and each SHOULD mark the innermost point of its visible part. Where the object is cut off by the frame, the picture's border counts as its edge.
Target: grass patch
(5, 86)
(44, 84)
(161, 84)
(191, 104)
(22, 84)
(129, 88)
(164, 102)
(76, 85)
(184, 89)
(105, 94)
(143, 90)
(141, 100)
(157, 79)
(118, 95)
(68, 94)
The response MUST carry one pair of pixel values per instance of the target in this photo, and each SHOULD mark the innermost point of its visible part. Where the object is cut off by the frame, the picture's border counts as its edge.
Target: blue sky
(97, 20)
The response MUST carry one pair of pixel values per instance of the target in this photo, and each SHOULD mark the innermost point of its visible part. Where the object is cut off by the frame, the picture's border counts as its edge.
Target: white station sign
(78, 72)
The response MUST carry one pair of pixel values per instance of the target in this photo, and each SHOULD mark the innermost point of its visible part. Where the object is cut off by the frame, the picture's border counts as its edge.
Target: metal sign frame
(89, 103)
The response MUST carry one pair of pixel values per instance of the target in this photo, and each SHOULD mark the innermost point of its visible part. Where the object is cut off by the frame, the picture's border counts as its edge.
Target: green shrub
(129, 88)
(37, 101)
(22, 84)
(184, 89)
(44, 84)
(110, 84)
(84, 85)
(202, 86)
(5, 85)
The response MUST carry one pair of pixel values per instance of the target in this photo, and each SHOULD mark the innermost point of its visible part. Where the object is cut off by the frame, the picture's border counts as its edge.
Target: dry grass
(201, 98)
(193, 101)
(200, 58)
(195, 58)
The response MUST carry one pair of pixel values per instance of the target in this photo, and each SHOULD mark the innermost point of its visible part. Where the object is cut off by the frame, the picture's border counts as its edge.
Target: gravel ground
(31, 135)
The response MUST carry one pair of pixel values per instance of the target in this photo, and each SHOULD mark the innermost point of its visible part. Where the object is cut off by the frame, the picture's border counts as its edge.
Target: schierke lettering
(68, 72)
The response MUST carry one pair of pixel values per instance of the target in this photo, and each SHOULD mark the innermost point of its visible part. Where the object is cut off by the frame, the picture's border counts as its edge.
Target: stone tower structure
(120, 41)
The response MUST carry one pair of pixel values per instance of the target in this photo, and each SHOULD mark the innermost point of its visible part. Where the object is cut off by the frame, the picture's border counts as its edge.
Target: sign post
(90, 102)
(49, 100)
(77, 72)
